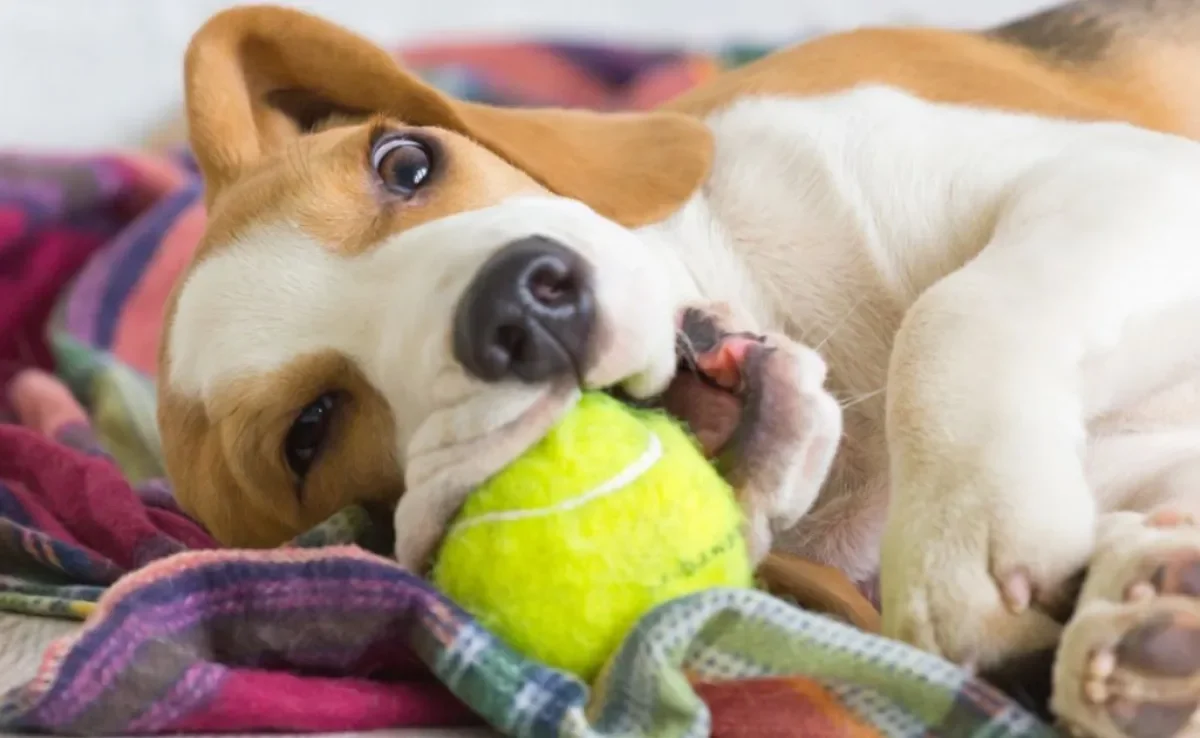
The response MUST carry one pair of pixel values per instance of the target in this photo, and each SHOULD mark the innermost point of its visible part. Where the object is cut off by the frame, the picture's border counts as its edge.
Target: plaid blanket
(181, 636)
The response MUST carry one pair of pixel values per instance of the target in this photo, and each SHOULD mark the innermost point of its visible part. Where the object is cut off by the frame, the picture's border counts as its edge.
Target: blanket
(179, 635)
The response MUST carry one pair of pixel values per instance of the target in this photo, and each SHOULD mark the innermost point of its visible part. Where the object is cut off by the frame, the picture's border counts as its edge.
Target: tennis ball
(613, 512)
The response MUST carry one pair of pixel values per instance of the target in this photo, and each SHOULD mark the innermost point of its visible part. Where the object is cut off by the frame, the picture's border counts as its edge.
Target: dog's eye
(403, 164)
(307, 434)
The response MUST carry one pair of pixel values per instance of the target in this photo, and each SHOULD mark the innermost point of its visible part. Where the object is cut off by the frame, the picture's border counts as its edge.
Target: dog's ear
(257, 76)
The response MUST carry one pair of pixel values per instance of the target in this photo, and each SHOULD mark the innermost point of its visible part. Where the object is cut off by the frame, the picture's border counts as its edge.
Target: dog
(929, 296)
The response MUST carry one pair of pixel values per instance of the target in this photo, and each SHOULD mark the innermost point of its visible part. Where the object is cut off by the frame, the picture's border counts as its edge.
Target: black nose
(527, 315)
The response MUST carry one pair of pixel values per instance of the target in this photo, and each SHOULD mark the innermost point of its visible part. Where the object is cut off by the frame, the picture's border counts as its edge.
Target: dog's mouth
(707, 391)
(711, 390)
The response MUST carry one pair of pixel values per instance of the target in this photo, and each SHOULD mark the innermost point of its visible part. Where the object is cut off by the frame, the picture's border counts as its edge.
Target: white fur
(277, 294)
(999, 275)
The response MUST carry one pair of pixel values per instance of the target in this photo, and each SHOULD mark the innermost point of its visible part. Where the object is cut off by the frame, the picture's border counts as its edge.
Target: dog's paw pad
(1129, 661)
(1166, 572)
(1165, 644)
(1144, 681)
(1177, 573)
(1151, 720)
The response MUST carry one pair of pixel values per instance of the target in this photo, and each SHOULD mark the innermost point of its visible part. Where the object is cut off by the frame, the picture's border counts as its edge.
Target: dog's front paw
(757, 403)
(973, 574)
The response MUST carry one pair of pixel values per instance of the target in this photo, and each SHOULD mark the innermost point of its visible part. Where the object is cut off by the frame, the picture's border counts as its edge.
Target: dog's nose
(527, 315)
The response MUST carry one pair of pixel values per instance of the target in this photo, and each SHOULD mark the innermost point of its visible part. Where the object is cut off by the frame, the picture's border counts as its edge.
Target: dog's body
(929, 229)
(950, 180)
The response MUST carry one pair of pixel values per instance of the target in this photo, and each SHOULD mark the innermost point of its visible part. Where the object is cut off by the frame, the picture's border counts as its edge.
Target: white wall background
(86, 74)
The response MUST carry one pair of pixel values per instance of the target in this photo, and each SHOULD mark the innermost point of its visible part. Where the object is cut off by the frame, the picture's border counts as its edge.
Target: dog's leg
(766, 415)
(1129, 662)
(988, 401)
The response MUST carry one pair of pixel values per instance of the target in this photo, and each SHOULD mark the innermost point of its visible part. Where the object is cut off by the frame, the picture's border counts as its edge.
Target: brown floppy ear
(257, 76)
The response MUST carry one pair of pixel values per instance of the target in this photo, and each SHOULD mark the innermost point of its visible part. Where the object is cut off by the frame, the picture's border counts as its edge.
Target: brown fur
(1097, 33)
(1148, 47)
(323, 182)
(942, 66)
(257, 76)
(235, 447)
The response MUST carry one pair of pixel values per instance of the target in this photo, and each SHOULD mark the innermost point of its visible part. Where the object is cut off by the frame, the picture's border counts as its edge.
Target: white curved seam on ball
(624, 478)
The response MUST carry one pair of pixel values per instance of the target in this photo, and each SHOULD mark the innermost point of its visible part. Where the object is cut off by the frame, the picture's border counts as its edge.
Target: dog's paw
(1129, 662)
(971, 574)
(757, 403)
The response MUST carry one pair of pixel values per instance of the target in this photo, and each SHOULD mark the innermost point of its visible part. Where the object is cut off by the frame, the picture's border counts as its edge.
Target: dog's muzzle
(528, 314)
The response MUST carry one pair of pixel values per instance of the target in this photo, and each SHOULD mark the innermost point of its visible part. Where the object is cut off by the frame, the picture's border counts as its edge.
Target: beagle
(931, 297)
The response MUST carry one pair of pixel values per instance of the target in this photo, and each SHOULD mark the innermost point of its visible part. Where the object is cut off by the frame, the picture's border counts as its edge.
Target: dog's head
(395, 285)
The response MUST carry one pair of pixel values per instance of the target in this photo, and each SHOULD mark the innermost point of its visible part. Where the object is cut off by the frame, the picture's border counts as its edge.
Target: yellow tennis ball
(615, 511)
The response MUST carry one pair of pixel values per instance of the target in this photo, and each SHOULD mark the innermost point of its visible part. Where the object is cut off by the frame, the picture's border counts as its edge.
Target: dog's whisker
(838, 326)
(687, 351)
(850, 440)
(851, 402)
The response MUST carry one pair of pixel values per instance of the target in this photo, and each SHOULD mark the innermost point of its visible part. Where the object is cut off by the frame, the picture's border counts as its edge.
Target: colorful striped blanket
(181, 636)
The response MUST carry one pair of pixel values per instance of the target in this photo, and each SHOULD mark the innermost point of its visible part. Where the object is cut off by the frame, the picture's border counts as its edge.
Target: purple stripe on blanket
(94, 309)
(10, 508)
(615, 67)
(36, 196)
(139, 251)
(194, 688)
(225, 600)
(165, 642)
(61, 190)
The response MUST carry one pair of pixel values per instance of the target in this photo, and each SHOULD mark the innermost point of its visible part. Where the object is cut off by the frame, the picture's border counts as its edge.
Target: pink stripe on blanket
(263, 700)
(532, 74)
(668, 81)
(95, 280)
(136, 339)
(43, 403)
(159, 175)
